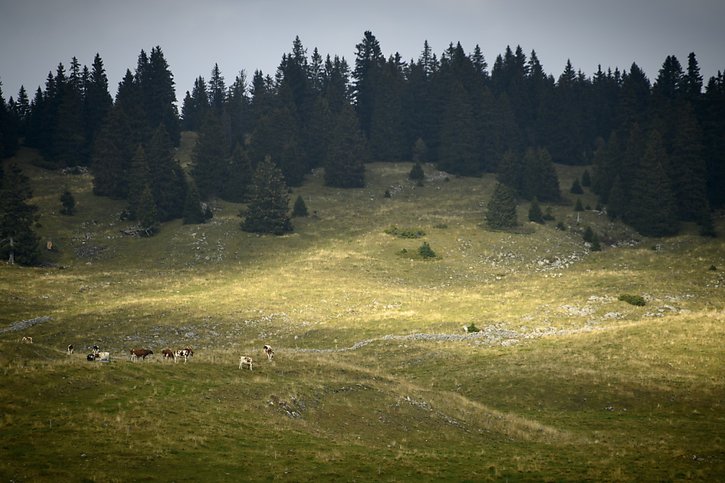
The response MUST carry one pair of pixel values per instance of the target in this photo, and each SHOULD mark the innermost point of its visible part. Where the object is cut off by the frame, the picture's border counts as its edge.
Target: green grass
(564, 382)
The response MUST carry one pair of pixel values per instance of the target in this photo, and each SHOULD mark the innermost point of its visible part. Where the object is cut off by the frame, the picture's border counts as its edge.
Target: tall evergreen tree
(239, 175)
(652, 211)
(268, 209)
(18, 241)
(501, 208)
(210, 158)
(138, 181)
(347, 153)
(458, 153)
(97, 102)
(368, 61)
(167, 181)
(111, 158)
(687, 168)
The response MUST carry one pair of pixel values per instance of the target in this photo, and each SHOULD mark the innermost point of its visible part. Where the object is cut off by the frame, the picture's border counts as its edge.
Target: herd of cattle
(167, 354)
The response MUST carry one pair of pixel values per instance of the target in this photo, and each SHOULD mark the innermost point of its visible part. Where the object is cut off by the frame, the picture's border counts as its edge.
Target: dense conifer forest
(656, 147)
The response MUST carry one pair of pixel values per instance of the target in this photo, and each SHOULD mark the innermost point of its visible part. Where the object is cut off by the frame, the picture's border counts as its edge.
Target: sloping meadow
(374, 376)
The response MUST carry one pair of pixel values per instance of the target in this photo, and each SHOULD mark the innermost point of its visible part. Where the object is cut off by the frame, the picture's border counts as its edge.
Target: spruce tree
(146, 214)
(501, 208)
(653, 211)
(687, 166)
(238, 177)
(268, 209)
(210, 158)
(346, 154)
(167, 181)
(458, 152)
(535, 213)
(193, 212)
(68, 203)
(112, 153)
(18, 241)
(300, 208)
(138, 180)
(416, 172)
(576, 187)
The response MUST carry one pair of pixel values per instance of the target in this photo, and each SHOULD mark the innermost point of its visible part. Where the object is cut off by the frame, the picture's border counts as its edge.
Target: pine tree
(18, 241)
(167, 181)
(653, 211)
(146, 212)
(416, 173)
(535, 213)
(458, 151)
(68, 202)
(501, 211)
(268, 207)
(139, 179)
(576, 187)
(210, 158)
(97, 103)
(193, 212)
(238, 177)
(300, 208)
(112, 153)
(346, 154)
(687, 167)
(586, 178)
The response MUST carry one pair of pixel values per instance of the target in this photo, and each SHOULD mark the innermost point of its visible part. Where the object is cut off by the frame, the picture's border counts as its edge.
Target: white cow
(270, 353)
(245, 361)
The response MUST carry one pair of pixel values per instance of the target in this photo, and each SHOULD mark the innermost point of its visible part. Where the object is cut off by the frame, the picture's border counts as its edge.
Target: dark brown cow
(168, 354)
(140, 353)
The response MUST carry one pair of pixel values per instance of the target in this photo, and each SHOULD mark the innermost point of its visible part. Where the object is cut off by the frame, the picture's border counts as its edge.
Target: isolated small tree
(576, 188)
(502, 208)
(68, 202)
(420, 151)
(588, 235)
(416, 173)
(193, 212)
(535, 213)
(586, 178)
(147, 215)
(425, 251)
(269, 201)
(299, 209)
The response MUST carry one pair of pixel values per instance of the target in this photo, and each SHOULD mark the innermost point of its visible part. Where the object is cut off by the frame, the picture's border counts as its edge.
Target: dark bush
(632, 299)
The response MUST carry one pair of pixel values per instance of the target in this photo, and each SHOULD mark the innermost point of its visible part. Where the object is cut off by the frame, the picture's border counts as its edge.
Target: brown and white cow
(184, 354)
(168, 354)
(140, 353)
(70, 349)
(245, 361)
(269, 352)
(27, 340)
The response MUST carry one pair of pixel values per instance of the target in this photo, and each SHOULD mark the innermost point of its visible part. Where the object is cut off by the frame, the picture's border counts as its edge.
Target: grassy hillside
(374, 378)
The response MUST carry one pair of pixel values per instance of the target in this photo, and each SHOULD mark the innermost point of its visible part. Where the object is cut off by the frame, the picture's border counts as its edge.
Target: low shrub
(405, 232)
(632, 299)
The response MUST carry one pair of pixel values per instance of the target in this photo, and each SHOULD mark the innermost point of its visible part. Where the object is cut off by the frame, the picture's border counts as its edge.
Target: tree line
(655, 147)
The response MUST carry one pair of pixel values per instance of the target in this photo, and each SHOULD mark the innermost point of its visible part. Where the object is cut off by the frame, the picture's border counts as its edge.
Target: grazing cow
(184, 353)
(270, 353)
(245, 361)
(140, 353)
(91, 357)
(168, 354)
(96, 349)
(70, 349)
(27, 340)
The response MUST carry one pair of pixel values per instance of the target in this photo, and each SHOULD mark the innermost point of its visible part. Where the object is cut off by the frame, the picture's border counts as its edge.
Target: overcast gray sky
(35, 35)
